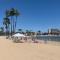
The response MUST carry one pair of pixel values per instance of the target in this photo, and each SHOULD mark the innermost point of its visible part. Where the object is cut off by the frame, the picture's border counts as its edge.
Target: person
(33, 38)
(25, 39)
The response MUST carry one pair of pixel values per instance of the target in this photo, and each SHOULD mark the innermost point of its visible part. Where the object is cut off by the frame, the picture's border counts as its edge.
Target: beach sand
(28, 51)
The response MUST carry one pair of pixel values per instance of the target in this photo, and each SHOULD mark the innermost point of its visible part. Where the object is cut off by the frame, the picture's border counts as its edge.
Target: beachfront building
(54, 31)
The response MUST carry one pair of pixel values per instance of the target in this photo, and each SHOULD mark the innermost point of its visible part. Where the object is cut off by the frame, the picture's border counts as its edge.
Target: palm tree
(28, 32)
(39, 32)
(7, 13)
(6, 23)
(11, 13)
(20, 30)
(16, 14)
(1, 29)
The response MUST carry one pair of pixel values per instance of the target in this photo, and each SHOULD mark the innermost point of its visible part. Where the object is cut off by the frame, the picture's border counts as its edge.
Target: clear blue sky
(35, 14)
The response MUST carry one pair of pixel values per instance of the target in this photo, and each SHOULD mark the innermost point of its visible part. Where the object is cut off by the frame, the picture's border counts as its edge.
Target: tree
(20, 30)
(6, 23)
(39, 32)
(1, 29)
(28, 32)
(16, 14)
(32, 33)
(7, 13)
(11, 13)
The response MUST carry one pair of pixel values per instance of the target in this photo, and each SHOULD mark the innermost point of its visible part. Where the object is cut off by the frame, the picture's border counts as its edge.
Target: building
(54, 31)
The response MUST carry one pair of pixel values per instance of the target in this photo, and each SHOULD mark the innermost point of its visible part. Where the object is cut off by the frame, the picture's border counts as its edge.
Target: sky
(34, 14)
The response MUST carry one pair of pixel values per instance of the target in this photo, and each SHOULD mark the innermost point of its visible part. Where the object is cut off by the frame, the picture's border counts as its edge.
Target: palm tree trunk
(15, 23)
(11, 25)
(8, 30)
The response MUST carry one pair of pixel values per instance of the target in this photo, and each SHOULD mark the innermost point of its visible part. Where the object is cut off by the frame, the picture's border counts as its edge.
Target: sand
(28, 51)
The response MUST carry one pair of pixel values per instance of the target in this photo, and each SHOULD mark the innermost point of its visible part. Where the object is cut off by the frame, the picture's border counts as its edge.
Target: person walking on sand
(25, 39)
(33, 38)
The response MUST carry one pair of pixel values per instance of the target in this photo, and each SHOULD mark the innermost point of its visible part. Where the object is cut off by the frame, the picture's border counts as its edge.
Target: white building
(54, 31)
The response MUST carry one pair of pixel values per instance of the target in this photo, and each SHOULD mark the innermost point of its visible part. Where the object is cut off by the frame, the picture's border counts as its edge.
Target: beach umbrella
(18, 35)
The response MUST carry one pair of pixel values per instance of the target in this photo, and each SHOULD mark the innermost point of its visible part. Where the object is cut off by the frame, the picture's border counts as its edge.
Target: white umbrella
(18, 35)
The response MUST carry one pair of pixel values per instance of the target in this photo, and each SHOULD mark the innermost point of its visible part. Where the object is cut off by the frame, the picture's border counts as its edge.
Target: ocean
(49, 37)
